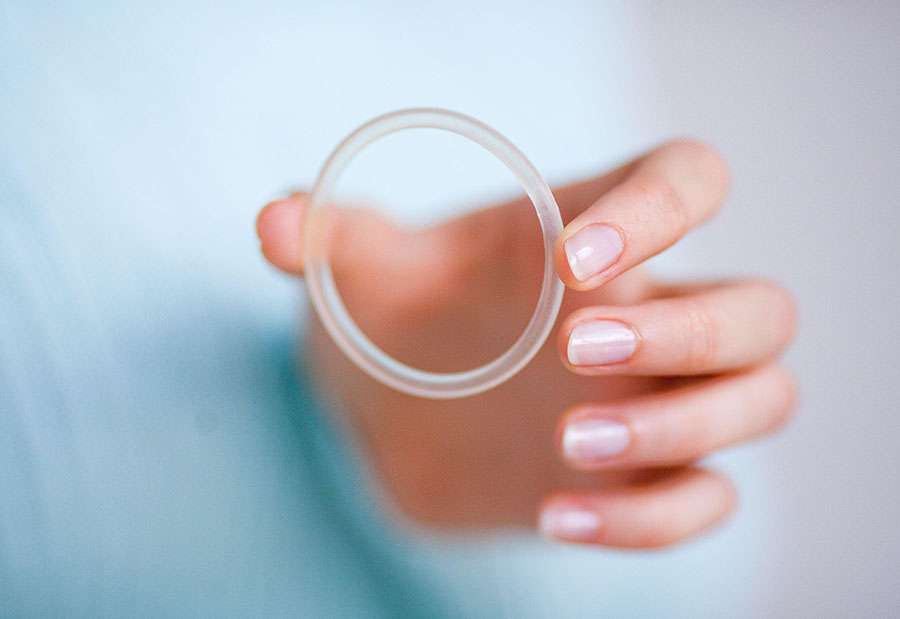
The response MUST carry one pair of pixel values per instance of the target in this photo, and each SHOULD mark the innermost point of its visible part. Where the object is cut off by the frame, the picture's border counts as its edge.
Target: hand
(599, 433)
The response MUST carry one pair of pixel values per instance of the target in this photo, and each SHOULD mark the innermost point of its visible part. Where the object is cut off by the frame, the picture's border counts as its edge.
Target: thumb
(278, 228)
(391, 275)
(367, 252)
(360, 235)
(482, 246)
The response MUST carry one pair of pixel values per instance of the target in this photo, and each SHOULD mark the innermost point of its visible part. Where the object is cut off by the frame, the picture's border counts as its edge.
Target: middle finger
(716, 328)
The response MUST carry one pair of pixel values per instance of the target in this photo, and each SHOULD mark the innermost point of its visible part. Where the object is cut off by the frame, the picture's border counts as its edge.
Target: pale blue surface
(157, 449)
(158, 454)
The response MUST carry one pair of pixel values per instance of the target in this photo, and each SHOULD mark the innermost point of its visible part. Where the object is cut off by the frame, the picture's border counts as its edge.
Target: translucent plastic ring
(331, 309)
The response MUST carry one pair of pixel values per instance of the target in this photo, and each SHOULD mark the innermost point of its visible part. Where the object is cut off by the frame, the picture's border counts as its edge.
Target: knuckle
(705, 156)
(662, 203)
(704, 163)
(787, 396)
(787, 309)
(662, 526)
(781, 308)
(779, 401)
(701, 335)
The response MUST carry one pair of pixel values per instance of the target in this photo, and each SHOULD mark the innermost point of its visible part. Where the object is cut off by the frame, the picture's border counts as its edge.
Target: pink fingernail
(600, 342)
(594, 439)
(592, 249)
(569, 523)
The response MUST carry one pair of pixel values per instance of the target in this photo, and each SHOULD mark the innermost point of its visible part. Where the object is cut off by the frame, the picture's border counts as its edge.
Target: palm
(490, 458)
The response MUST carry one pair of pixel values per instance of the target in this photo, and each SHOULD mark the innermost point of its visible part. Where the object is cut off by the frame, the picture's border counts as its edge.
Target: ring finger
(679, 426)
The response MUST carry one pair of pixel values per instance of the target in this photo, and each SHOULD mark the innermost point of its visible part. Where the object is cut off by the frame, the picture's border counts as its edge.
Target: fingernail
(592, 249)
(594, 439)
(600, 342)
(569, 523)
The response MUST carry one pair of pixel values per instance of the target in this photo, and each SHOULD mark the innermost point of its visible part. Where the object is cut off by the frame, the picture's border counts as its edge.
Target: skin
(703, 376)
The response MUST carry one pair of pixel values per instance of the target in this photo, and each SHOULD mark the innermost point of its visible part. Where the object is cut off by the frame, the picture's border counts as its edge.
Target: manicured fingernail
(594, 439)
(600, 342)
(570, 523)
(592, 249)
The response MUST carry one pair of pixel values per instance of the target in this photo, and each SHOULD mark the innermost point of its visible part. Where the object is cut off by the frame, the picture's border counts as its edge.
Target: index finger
(660, 198)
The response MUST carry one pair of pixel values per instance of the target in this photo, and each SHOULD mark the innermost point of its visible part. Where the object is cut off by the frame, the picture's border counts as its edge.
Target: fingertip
(587, 252)
(278, 227)
(562, 341)
(592, 438)
(563, 268)
(564, 518)
(597, 341)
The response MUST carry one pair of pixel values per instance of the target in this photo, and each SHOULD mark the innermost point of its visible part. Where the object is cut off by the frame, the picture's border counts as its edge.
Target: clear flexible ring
(331, 309)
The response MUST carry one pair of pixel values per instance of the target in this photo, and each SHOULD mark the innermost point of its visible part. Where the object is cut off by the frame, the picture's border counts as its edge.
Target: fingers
(664, 511)
(660, 197)
(676, 427)
(643, 207)
(713, 329)
(658, 431)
